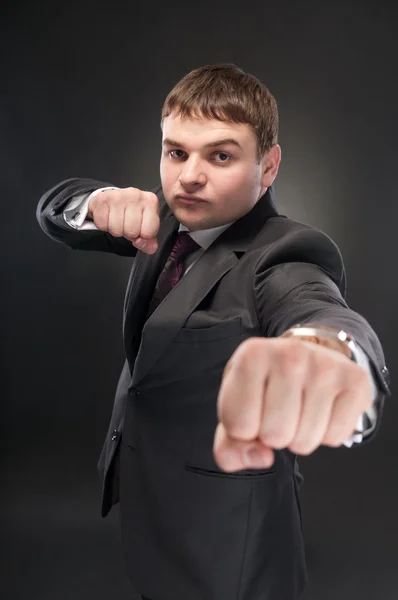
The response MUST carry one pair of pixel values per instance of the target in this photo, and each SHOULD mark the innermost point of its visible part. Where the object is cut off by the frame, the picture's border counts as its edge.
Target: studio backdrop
(81, 97)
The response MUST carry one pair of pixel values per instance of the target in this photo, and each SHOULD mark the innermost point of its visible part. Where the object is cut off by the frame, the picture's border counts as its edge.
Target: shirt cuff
(371, 413)
(75, 212)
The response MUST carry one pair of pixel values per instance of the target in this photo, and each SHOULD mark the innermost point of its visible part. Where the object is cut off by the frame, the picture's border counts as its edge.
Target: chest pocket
(213, 333)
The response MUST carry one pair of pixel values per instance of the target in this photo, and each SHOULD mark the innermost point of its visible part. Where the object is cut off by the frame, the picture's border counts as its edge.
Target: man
(219, 362)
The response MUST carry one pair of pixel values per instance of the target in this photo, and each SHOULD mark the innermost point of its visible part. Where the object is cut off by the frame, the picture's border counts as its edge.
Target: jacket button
(135, 392)
(386, 373)
(115, 435)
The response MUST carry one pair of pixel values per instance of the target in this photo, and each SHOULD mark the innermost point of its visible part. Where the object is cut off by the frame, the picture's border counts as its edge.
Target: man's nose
(192, 173)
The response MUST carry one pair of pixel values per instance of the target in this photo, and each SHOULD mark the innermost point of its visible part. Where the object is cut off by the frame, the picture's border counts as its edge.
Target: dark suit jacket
(190, 530)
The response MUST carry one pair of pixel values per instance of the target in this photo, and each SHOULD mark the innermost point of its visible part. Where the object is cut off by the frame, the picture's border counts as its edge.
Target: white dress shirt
(75, 216)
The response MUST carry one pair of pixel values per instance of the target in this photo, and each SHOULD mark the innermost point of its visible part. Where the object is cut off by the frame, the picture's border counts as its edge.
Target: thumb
(147, 246)
(233, 455)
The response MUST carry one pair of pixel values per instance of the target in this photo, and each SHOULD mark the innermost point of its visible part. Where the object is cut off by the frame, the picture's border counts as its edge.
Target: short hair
(225, 92)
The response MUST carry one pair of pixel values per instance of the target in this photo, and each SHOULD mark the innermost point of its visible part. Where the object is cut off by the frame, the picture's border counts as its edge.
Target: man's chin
(186, 215)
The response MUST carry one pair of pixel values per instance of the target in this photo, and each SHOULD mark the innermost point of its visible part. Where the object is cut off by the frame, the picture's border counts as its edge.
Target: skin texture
(298, 395)
(229, 178)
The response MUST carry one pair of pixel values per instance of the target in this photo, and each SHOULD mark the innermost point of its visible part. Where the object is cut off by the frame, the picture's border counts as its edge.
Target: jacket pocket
(244, 474)
(197, 335)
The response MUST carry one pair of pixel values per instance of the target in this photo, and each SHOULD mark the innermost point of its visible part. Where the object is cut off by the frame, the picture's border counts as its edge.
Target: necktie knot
(183, 246)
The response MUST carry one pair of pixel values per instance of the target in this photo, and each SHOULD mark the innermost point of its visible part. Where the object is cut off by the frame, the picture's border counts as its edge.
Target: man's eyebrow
(215, 144)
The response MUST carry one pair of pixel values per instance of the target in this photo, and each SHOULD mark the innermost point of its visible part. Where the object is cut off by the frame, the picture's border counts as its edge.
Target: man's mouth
(189, 199)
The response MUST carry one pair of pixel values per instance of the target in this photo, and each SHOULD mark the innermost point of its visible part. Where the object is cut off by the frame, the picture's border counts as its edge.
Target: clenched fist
(286, 393)
(129, 213)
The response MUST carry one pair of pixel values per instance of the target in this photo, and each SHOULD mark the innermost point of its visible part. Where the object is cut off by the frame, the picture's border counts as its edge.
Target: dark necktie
(172, 270)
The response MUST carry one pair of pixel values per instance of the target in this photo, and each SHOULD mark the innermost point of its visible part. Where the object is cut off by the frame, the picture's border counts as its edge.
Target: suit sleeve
(310, 289)
(49, 214)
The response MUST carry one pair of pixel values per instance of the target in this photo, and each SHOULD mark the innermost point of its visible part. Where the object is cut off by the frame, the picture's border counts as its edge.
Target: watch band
(340, 337)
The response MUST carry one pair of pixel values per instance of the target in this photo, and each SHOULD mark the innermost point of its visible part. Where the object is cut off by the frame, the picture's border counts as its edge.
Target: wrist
(89, 215)
(91, 202)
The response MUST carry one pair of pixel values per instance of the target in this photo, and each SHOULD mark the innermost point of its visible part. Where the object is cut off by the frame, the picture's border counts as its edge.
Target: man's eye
(223, 156)
(173, 156)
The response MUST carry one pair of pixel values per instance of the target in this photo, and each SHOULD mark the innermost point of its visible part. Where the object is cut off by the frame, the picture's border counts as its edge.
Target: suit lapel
(164, 323)
(171, 314)
(143, 277)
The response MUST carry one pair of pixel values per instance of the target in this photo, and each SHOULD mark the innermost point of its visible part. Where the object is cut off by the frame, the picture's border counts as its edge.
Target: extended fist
(286, 393)
(129, 213)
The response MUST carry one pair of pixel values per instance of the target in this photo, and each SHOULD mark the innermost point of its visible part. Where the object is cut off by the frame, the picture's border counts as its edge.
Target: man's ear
(270, 164)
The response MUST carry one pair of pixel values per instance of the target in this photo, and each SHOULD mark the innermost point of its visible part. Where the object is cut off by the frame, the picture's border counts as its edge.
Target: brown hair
(226, 93)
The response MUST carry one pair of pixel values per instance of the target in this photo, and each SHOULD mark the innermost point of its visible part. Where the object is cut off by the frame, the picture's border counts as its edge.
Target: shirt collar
(205, 237)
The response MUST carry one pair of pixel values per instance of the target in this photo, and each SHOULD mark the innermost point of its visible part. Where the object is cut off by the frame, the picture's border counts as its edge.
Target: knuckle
(132, 193)
(108, 197)
(254, 347)
(332, 440)
(238, 429)
(334, 436)
(150, 197)
(326, 375)
(126, 196)
(131, 233)
(100, 208)
(131, 227)
(244, 355)
(274, 438)
(100, 218)
(291, 357)
(97, 203)
(150, 227)
(115, 231)
(94, 202)
(303, 446)
(100, 224)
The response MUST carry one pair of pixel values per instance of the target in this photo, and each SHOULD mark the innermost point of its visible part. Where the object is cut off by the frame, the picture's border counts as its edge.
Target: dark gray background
(82, 90)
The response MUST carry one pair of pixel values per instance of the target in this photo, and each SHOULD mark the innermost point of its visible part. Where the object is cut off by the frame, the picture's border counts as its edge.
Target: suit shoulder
(287, 236)
(287, 243)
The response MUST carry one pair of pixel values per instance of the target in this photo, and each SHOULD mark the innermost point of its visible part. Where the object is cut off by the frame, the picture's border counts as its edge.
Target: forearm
(317, 301)
(51, 219)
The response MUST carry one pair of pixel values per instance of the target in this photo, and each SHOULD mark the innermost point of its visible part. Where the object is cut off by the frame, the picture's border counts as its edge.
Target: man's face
(198, 160)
